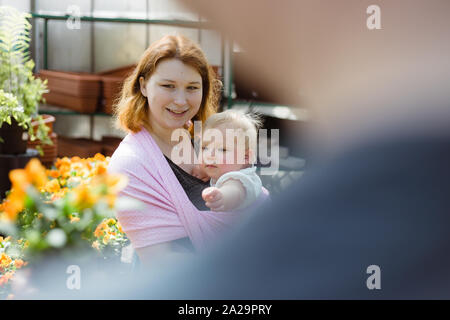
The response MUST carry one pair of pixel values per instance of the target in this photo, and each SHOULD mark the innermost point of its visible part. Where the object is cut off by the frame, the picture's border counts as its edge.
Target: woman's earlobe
(142, 86)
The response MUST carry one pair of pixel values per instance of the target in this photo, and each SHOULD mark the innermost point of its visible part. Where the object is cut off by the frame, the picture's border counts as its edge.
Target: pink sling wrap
(168, 213)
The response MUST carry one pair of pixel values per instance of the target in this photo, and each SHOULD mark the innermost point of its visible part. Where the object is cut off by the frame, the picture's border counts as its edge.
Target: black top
(191, 185)
(193, 188)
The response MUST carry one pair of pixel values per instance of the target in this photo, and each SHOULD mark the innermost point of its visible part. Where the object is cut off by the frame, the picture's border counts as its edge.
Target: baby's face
(220, 158)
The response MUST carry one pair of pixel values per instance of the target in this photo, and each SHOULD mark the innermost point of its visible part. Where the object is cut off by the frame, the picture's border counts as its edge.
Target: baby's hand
(199, 173)
(188, 124)
(214, 199)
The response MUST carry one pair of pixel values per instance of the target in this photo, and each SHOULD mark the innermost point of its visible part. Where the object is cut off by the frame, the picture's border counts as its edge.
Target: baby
(228, 153)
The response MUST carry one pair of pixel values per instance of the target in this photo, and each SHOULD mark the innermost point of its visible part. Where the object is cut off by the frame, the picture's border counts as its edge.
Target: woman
(171, 85)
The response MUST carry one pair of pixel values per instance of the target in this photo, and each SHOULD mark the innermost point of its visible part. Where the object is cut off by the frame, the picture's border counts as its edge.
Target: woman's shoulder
(130, 154)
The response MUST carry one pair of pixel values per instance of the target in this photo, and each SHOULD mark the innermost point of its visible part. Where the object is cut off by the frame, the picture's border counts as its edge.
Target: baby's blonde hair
(236, 119)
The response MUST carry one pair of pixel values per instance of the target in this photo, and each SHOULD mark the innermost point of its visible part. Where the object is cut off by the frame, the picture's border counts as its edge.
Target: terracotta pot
(79, 104)
(77, 91)
(77, 84)
(112, 85)
(110, 144)
(81, 147)
(50, 151)
(14, 138)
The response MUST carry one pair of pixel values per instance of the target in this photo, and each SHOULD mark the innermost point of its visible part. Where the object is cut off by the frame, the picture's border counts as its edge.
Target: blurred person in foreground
(377, 191)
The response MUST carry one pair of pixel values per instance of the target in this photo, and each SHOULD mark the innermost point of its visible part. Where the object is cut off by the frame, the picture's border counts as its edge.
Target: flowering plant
(70, 206)
(10, 261)
(16, 75)
(53, 209)
(109, 237)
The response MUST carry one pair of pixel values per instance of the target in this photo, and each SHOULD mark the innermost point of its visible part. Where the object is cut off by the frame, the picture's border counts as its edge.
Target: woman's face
(174, 94)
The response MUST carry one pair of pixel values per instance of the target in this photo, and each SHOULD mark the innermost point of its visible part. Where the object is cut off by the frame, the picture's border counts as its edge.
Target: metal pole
(92, 39)
(45, 43)
(147, 25)
(230, 77)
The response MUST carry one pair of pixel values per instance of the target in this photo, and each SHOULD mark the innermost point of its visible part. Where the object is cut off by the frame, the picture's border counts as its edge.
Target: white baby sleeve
(250, 181)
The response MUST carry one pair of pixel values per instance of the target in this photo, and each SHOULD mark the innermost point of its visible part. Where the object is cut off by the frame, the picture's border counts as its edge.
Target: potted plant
(18, 84)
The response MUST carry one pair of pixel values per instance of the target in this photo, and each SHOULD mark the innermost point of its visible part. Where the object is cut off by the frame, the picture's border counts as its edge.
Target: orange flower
(36, 173)
(3, 281)
(19, 263)
(99, 230)
(99, 157)
(13, 205)
(5, 260)
(19, 180)
(53, 173)
(75, 159)
(62, 162)
(100, 168)
(6, 277)
(63, 166)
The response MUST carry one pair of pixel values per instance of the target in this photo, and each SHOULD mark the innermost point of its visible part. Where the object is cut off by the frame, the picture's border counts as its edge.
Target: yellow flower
(119, 227)
(84, 197)
(74, 219)
(77, 166)
(106, 239)
(96, 245)
(111, 200)
(52, 186)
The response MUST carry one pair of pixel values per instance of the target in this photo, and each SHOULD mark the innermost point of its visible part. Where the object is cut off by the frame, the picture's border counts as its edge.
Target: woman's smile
(177, 113)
